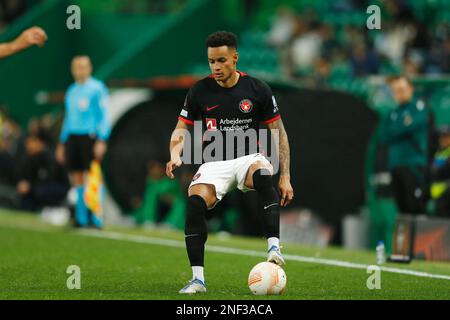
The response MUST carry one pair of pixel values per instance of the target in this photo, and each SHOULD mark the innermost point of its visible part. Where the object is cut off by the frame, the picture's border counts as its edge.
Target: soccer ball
(267, 278)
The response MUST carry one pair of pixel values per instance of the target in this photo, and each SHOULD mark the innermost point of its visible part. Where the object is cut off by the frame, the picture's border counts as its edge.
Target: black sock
(268, 197)
(195, 230)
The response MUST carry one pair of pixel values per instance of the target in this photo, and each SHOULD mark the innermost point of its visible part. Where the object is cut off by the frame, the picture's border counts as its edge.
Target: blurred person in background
(36, 126)
(8, 194)
(440, 174)
(42, 181)
(306, 46)
(163, 202)
(28, 38)
(9, 139)
(11, 10)
(405, 131)
(363, 60)
(84, 132)
(282, 27)
(280, 36)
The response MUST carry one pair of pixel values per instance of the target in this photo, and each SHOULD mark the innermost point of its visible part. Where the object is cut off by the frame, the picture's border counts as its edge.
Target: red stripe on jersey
(242, 74)
(186, 120)
(272, 120)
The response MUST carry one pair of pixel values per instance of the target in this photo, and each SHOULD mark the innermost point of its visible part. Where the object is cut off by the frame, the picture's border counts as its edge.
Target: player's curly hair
(221, 38)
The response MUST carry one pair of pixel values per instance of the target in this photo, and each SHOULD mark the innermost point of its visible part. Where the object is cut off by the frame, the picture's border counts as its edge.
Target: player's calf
(268, 197)
(196, 234)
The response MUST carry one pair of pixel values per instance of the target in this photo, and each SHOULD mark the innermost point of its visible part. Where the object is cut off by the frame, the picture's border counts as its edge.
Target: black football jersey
(229, 112)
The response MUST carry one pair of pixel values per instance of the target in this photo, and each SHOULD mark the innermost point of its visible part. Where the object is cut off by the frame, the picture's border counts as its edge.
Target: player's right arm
(176, 147)
(28, 38)
(186, 118)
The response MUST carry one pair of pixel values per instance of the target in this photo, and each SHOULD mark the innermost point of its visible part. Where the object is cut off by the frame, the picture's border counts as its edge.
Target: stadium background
(150, 52)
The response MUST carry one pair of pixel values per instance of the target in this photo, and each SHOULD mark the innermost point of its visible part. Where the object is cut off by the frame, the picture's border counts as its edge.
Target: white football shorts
(226, 175)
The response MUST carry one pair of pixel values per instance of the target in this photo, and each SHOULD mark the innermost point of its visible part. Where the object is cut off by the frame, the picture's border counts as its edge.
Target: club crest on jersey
(246, 105)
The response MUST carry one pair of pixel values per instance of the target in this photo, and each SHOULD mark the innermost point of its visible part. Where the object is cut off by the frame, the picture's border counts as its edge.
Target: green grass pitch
(34, 258)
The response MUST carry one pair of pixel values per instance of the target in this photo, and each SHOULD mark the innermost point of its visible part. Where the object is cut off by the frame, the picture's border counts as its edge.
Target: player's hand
(286, 191)
(172, 165)
(32, 36)
(99, 149)
(60, 154)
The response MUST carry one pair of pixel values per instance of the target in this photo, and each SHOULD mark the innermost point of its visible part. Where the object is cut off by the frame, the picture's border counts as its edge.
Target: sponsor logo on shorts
(246, 105)
(197, 175)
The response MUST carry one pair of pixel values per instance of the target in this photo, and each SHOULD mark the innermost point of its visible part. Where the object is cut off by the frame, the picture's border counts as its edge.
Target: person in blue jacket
(84, 132)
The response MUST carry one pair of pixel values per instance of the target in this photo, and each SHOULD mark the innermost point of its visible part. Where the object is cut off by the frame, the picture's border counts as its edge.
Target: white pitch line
(253, 253)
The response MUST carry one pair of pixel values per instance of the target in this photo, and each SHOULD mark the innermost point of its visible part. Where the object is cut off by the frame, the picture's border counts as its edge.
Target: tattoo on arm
(283, 148)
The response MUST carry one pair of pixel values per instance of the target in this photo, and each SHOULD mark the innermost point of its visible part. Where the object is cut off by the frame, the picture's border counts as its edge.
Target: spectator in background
(393, 42)
(440, 174)
(8, 195)
(405, 131)
(42, 181)
(10, 133)
(282, 28)
(439, 58)
(411, 67)
(280, 36)
(164, 201)
(11, 10)
(36, 127)
(363, 61)
(321, 72)
(306, 46)
(330, 46)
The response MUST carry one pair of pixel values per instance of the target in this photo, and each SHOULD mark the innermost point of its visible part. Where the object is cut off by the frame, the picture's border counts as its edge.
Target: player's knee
(262, 179)
(263, 184)
(258, 165)
(206, 192)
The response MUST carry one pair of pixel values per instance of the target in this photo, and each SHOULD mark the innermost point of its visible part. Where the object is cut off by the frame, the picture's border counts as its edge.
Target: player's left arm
(286, 191)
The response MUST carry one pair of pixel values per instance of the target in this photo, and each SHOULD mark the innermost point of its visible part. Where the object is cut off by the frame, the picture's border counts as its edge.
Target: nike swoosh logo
(213, 107)
(270, 205)
(191, 235)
